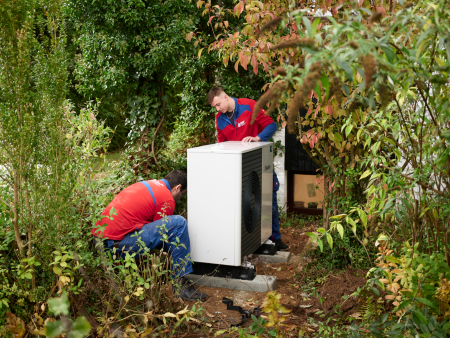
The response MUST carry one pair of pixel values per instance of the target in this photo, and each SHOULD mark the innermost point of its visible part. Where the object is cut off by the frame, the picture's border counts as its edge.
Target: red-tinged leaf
(248, 18)
(225, 61)
(244, 64)
(189, 36)
(236, 66)
(294, 27)
(329, 110)
(261, 46)
(235, 35)
(335, 113)
(270, 63)
(310, 132)
(360, 2)
(332, 185)
(195, 43)
(200, 3)
(266, 67)
(278, 118)
(241, 8)
(210, 19)
(311, 143)
(309, 112)
(335, 9)
(254, 64)
(317, 110)
(329, 3)
(319, 179)
(283, 125)
(241, 58)
(236, 9)
(304, 139)
(221, 43)
(315, 138)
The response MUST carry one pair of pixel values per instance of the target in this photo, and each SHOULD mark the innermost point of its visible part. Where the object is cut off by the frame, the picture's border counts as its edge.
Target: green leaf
(320, 244)
(314, 29)
(348, 130)
(338, 216)
(28, 275)
(307, 24)
(362, 215)
(340, 230)
(346, 67)
(365, 174)
(375, 291)
(80, 328)
(54, 329)
(404, 304)
(59, 305)
(330, 240)
(325, 82)
(321, 230)
(427, 302)
(57, 270)
(446, 135)
(420, 316)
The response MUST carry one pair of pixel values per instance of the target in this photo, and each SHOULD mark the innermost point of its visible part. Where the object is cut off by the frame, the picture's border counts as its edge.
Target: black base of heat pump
(267, 249)
(224, 271)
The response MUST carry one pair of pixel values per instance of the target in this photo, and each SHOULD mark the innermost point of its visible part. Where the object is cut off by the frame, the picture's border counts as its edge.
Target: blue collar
(167, 184)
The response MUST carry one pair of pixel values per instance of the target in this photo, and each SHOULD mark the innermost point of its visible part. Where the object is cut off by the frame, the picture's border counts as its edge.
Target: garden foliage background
(80, 78)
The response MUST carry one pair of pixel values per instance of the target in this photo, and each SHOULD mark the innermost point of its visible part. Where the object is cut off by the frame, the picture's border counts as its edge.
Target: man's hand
(251, 139)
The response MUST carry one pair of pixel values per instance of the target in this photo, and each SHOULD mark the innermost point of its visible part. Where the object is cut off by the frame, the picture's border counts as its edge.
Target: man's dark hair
(216, 91)
(176, 177)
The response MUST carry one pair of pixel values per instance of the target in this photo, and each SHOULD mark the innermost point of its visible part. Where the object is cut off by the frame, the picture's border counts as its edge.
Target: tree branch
(422, 184)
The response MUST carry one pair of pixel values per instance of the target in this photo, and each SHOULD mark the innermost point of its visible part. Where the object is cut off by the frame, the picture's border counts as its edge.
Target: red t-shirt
(226, 131)
(135, 207)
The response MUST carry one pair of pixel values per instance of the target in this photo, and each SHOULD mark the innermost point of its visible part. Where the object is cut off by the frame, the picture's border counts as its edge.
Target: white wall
(278, 162)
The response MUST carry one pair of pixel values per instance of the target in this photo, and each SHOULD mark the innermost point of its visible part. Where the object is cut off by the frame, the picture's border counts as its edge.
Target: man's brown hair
(216, 91)
(176, 177)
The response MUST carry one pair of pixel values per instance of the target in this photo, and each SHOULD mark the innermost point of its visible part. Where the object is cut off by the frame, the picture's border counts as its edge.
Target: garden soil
(319, 303)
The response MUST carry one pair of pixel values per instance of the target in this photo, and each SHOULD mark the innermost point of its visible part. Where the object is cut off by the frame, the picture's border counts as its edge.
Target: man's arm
(267, 125)
(220, 135)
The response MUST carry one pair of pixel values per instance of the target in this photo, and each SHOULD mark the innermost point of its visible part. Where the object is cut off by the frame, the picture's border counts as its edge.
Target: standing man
(143, 213)
(233, 124)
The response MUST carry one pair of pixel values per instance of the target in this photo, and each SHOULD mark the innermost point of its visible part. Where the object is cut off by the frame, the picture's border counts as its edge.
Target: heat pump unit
(229, 200)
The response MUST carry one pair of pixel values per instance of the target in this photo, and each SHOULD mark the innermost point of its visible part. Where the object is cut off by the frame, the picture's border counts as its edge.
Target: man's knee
(178, 222)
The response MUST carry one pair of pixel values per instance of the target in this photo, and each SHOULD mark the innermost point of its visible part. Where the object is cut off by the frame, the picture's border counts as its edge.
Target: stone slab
(261, 283)
(279, 257)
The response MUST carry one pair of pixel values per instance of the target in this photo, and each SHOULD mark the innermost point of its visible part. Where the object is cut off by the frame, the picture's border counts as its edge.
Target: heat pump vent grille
(251, 211)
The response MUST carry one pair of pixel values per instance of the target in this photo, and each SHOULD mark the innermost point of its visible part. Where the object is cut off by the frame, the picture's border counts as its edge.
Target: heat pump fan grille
(251, 201)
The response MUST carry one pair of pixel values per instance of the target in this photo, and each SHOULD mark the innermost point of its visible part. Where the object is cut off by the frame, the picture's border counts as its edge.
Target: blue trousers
(276, 235)
(151, 234)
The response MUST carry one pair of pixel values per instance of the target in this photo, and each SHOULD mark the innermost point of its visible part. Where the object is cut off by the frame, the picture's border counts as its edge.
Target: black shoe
(280, 245)
(188, 292)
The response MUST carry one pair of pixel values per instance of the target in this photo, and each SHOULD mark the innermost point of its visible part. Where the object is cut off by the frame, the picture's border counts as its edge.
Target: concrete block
(279, 257)
(261, 283)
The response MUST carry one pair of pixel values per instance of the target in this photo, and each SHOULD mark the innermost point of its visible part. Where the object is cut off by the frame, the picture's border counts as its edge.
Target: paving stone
(261, 283)
(279, 257)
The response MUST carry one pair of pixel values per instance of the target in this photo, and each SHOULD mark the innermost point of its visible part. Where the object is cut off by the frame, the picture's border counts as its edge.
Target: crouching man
(141, 209)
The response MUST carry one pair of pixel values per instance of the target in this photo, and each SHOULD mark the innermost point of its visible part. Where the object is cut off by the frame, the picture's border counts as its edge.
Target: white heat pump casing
(217, 176)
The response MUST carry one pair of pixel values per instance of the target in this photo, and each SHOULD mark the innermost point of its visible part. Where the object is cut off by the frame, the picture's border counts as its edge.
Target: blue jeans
(276, 235)
(151, 234)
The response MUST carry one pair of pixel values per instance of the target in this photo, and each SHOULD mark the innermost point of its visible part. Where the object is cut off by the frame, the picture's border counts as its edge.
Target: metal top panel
(230, 147)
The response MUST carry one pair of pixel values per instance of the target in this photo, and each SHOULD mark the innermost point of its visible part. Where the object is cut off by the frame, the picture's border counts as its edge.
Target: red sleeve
(220, 135)
(262, 120)
(165, 208)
